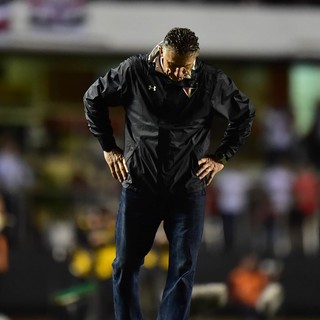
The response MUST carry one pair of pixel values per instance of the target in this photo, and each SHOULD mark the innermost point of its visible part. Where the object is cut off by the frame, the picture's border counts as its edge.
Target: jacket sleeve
(105, 92)
(233, 105)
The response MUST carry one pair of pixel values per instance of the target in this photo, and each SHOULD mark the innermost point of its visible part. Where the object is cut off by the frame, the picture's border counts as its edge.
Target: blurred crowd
(272, 207)
(270, 204)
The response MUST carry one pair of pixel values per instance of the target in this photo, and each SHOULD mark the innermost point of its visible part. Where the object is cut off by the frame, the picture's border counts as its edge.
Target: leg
(228, 230)
(137, 223)
(183, 225)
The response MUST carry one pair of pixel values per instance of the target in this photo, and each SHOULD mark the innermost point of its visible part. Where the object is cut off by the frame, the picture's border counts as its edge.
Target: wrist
(220, 158)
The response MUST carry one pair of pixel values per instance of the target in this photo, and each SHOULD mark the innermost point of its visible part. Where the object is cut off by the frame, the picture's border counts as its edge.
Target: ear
(161, 51)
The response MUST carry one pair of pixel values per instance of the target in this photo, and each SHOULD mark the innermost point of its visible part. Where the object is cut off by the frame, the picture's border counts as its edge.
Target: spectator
(262, 220)
(279, 137)
(16, 177)
(92, 258)
(252, 290)
(4, 246)
(312, 139)
(304, 216)
(276, 184)
(232, 188)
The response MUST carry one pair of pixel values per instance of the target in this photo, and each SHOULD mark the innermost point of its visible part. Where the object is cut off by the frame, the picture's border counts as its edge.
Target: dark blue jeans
(138, 219)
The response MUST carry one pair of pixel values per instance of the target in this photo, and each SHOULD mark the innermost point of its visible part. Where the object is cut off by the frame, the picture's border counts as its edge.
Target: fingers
(118, 170)
(211, 175)
(123, 169)
(125, 166)
(117, 164)
(205, 167)
(208, 168)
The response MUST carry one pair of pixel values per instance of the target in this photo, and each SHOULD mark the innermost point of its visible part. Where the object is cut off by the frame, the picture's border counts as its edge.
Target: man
(169, 98)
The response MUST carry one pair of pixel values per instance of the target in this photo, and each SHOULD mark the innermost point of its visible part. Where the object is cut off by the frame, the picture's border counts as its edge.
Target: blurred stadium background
(58, 200)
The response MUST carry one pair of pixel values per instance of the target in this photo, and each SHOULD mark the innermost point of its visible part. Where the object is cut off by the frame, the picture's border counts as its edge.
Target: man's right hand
(116, 163)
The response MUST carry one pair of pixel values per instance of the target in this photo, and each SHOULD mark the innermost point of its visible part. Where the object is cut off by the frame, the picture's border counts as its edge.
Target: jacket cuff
(107, 144)
(221, 158)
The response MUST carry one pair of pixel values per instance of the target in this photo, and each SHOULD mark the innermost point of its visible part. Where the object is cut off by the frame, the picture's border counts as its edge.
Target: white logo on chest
(152, 88)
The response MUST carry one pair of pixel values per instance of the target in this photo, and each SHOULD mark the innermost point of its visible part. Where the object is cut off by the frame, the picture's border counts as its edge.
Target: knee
(126, 265)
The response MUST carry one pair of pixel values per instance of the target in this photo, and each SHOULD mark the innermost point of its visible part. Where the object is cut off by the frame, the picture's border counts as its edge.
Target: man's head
(178, 51)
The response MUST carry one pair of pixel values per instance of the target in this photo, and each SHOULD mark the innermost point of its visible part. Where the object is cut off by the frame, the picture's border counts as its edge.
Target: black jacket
(167, 124)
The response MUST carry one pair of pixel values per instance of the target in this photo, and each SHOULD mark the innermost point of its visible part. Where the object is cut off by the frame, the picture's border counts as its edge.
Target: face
(175, 66)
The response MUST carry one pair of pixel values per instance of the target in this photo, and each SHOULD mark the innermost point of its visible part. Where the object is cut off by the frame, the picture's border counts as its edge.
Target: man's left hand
(208, 168)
